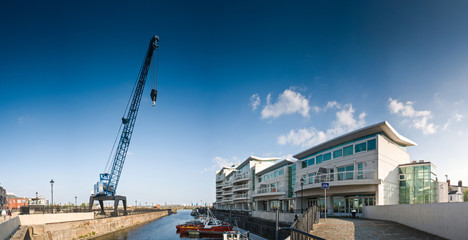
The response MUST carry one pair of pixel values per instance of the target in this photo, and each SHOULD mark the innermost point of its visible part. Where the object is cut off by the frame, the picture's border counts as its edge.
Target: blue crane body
(106, 188)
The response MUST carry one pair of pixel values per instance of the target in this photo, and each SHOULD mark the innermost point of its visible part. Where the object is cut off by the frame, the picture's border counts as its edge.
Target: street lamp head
(302, 181)
(52, 182)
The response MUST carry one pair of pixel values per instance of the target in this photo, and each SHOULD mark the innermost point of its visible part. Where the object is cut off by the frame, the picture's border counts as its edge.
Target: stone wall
(447, 220)
(261, 227)
(86, 229)
(9, 227)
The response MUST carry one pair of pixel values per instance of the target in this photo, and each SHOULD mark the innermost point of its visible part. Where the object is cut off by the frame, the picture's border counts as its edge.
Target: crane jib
(108, 183)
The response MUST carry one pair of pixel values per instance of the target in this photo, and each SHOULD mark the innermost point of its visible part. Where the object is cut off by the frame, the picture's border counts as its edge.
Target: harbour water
(163, 228)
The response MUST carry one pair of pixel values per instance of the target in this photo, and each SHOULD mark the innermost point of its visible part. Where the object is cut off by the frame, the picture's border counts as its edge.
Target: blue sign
(325, 185)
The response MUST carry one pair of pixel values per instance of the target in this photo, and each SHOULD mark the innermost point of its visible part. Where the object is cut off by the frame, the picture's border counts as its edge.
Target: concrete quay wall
(86, 229)
(447, 220)
(39, 219)
(9, 227)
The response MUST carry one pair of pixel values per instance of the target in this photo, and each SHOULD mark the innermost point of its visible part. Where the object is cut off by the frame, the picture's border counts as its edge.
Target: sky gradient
(262, 78)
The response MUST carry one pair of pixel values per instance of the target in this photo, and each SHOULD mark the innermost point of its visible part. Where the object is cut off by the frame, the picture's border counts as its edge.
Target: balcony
(238, 197)
(227, 186)
(219, 191)
(242, 177)
(227, 193)
(356, 177)
(242, 187)
(270, 191)
(219, 179)
(227, 200)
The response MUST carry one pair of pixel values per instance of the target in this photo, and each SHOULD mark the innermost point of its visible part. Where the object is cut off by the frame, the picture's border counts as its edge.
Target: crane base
(101, 200)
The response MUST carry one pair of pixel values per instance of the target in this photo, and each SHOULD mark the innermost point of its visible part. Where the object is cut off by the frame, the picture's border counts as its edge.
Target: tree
(465, 195)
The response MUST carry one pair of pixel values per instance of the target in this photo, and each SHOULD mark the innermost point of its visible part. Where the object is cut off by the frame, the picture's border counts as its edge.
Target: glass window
(311, 178)
(326, 156)
(311, 161)
(304, 164)
(371, 144)
(319, 159)
(281, 172)
(338, 153)
(348, 150)
(360, 147)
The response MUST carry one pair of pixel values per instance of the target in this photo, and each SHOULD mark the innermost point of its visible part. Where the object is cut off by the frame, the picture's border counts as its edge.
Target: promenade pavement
(335, 228)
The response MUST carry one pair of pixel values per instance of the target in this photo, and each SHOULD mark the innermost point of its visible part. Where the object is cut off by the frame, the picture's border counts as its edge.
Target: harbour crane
(106, 188)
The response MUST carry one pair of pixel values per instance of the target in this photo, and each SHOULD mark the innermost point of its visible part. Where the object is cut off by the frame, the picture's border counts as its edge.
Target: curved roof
(383, 127)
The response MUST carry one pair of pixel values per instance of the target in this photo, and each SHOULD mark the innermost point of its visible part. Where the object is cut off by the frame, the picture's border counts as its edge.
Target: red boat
(210, 225)
(206, 224)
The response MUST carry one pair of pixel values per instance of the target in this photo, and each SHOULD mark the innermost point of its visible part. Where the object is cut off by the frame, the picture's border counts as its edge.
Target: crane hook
(154, 94)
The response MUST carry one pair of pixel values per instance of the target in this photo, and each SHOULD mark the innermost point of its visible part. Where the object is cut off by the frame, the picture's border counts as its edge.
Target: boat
(205, 225)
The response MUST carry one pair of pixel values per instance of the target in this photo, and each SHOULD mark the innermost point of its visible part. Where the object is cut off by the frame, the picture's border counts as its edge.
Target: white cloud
(455, 118)
(218, 162)
(289, 102)
(307, 137)
(420, 119)
(254, 101)
(22, 119)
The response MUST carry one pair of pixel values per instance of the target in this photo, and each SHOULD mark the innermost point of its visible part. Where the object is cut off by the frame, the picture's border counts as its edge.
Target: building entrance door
(311, 202)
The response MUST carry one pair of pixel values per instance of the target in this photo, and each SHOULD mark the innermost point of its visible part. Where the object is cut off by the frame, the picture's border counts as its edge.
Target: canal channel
(163, 228)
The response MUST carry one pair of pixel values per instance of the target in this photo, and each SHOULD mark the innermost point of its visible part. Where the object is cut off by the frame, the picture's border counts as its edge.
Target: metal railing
(242, 176)
(301, 228)
(355, 175)
(269, 190)
(241, 186)
(241, 196)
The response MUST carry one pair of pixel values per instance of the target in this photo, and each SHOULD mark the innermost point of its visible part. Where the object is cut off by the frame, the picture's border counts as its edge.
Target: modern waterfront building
(235, 187)
(361, 168)
(369, 166)
(274, 191)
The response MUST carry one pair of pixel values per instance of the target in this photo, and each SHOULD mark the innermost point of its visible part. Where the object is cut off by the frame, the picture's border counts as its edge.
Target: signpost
(325, 186)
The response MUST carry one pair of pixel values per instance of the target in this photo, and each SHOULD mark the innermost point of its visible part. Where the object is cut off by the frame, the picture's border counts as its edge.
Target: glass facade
(417, 184)
(342, 150)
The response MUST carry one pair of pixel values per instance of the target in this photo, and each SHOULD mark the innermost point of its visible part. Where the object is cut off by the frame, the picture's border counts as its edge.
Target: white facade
(361, 167)
(235, 186)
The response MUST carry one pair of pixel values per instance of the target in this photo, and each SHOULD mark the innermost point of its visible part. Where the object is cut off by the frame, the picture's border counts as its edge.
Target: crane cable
(153, 86)
(107, 168)
(154, 79)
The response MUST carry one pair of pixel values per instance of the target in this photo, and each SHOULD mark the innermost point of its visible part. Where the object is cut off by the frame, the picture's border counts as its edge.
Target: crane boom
(108, 183)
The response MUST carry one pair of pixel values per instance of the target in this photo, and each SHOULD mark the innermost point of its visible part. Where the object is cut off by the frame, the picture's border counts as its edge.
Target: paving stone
(335, 228)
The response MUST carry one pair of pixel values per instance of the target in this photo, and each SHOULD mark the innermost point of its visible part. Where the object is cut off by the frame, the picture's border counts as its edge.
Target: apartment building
(235, 186)
(369, 166)
(274, 191)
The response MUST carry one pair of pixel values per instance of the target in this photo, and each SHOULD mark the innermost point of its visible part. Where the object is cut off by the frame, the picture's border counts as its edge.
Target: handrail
(355, 175)
(301, 233)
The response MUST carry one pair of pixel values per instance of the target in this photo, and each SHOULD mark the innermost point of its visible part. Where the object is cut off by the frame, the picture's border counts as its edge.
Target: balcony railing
(219, 179)
(241, 186)
(227, 185)
(241, 176)
(241, 196)
(355, 175)
(269, 190)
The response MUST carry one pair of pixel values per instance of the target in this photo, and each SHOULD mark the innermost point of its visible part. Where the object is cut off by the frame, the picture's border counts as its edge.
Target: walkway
(335, 228)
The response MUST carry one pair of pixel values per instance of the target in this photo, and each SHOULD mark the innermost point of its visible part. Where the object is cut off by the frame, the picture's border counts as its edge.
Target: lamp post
(75, 201)
(52, 191)
(302, 195)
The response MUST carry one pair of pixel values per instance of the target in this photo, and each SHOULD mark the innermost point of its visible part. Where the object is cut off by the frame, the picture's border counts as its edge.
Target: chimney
(460, 183)
(448, 182)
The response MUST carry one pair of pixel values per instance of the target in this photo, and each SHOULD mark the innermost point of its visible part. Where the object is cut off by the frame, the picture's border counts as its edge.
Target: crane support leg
(116, 200)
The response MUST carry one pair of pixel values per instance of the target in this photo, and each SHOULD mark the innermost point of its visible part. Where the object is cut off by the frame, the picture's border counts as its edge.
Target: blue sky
(261, 78)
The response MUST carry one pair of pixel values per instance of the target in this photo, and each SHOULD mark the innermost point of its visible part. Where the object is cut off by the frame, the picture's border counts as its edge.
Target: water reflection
(163, 228)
